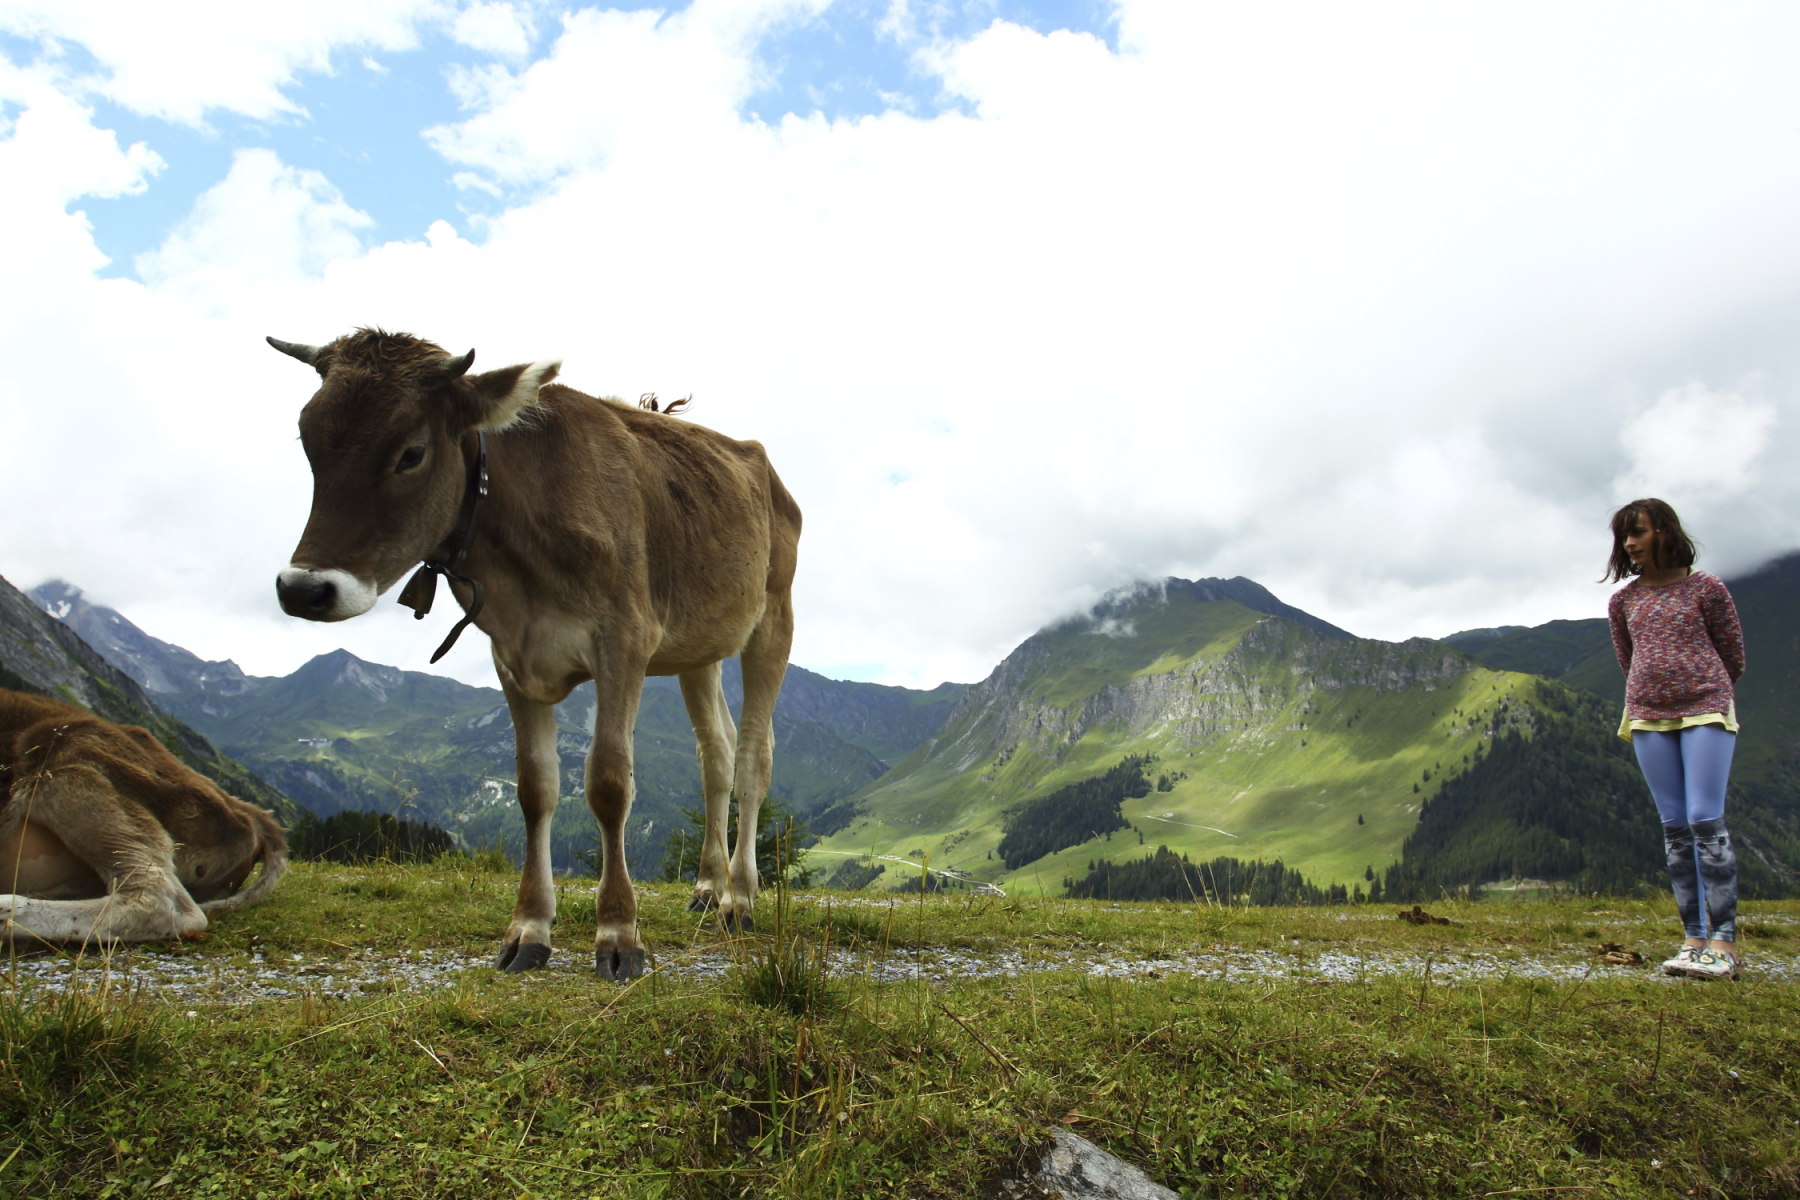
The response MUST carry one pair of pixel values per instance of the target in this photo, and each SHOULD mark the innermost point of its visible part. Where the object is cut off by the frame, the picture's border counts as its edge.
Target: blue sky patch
(362, 125)
(849, 61)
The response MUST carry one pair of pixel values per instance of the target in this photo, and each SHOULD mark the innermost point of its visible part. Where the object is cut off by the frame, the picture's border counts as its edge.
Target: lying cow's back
(216, 835)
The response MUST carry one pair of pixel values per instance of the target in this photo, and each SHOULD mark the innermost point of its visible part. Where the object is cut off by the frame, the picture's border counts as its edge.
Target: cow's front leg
(618, 952)
(527, 942)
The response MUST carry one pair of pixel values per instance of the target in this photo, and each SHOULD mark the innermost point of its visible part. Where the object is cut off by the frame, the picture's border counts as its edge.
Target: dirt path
(178, 976)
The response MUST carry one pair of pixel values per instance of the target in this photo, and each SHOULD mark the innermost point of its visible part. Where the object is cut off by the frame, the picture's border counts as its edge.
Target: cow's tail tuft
(272, 848)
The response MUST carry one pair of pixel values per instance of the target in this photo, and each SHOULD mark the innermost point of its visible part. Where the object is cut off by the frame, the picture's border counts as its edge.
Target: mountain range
(1426, 764)
(1260, 733)
(341, 733)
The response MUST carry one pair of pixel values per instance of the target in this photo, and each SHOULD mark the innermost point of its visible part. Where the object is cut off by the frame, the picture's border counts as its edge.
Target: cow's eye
(413, 457)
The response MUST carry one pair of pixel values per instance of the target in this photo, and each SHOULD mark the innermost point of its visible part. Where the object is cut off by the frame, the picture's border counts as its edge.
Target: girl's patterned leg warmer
(1718, 876)
(1678, 841)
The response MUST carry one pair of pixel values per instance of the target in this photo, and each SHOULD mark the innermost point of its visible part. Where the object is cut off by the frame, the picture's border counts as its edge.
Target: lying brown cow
(105, 836)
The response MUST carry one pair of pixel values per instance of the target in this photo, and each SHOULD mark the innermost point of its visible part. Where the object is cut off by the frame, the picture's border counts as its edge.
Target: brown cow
(105, 836)
(589, 539)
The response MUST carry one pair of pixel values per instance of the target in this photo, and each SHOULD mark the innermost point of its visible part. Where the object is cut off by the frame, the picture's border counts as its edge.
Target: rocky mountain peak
(1116, 613)
(340, 668)
(159, 667)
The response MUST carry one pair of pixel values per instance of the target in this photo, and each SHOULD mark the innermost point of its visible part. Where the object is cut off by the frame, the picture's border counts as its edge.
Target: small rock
(1073, 1168)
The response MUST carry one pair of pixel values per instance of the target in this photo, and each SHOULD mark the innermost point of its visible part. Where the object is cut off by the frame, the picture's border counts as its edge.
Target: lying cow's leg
(527, 942)
(35, 862)
(73, 812)
(618, 953)
(764, 661)
(715, 745)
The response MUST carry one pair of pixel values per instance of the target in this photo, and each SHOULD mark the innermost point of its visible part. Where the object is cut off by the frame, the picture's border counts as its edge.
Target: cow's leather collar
(421, 589)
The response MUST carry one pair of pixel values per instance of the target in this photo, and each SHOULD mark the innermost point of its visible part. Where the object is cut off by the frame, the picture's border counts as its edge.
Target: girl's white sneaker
(1713, 964)
(1684, 958)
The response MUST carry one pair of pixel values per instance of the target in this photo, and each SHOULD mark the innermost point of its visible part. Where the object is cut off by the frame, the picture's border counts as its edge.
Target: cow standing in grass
(589, 539)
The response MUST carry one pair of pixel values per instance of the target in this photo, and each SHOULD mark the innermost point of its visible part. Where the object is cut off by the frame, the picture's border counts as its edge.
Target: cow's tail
(272, 849)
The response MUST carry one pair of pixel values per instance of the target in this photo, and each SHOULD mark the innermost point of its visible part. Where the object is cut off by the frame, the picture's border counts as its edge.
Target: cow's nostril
(306, 597)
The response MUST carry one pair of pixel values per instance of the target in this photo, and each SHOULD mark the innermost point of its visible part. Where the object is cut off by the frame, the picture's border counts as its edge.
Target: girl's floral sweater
(1679, 646)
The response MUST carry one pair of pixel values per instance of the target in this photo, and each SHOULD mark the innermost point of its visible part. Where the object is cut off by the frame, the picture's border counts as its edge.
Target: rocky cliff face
(1232, 695)
(162, 668)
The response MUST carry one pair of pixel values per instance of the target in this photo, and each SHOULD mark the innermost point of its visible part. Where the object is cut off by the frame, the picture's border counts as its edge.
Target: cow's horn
(306, 354)
(456, 366)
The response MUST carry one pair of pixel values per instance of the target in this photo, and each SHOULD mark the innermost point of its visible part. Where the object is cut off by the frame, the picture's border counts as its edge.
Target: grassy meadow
(762, 1077)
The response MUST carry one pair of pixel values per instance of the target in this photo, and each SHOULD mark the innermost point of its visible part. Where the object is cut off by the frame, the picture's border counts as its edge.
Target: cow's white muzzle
(323, 595)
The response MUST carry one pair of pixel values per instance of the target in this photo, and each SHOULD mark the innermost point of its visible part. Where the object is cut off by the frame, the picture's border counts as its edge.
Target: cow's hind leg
(765, 662)
(618, 953)
(527, 942)
(74, 813)
(715, 745)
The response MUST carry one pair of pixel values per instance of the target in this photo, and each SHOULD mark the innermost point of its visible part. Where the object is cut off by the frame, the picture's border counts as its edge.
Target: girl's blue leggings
(1687, 771)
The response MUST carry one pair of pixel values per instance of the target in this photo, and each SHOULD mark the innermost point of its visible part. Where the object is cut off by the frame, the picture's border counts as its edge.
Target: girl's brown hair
(1671, 548)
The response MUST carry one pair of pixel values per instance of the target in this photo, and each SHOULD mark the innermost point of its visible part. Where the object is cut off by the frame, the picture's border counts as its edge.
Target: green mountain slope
(42, 655)
(1555, 650)
(341, 733)
(1558, 799)
(1272, 739)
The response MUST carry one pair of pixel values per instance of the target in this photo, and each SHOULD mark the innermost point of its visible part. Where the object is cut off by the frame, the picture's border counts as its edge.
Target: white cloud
(1704, 451)
(1379, 307)
(1697, 441)
(237, 55)
(53, 153)
(613, 82)
(504, 30)
(265, 225)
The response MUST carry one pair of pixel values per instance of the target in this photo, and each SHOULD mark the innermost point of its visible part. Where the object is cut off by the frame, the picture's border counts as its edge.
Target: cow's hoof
(738, 923)
(702, 902)
(528, 957)
(621, 966)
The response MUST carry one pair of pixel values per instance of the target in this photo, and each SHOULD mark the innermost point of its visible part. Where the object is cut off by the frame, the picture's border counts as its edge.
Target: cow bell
(419, 592)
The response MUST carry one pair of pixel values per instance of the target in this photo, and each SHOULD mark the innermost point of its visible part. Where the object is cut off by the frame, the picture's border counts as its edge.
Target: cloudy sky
(1385, 306)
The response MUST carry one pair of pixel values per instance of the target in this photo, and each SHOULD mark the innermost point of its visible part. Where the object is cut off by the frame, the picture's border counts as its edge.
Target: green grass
(558, 1085)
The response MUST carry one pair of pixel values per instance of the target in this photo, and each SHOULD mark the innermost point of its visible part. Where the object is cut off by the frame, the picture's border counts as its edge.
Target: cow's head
(384, 436)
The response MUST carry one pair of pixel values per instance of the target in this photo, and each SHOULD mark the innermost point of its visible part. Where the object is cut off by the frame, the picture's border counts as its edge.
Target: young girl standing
(1676, 633)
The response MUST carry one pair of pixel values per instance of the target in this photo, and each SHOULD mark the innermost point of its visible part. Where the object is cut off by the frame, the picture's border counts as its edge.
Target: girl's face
(1640, 543)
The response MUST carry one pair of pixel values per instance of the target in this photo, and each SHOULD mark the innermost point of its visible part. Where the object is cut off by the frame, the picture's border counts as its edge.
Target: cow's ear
(503, 396)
